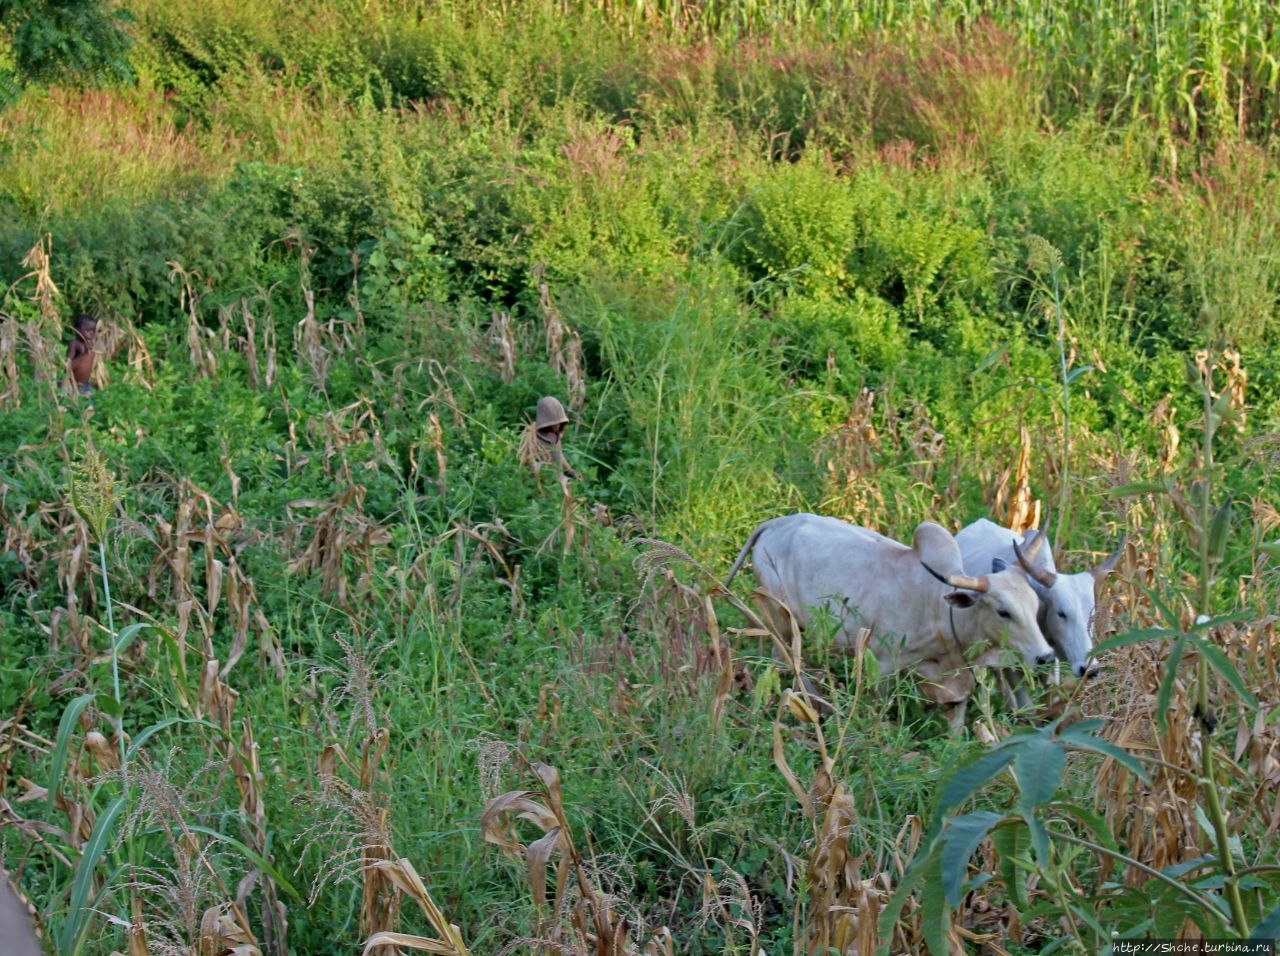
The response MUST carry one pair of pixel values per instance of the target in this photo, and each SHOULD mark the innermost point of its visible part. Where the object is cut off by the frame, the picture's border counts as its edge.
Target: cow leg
(943, 684)
(1012, 689)
(777, 617)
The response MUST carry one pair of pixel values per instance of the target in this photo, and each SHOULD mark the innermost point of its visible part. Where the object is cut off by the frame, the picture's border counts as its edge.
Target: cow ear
(998, 565)
(961, 598)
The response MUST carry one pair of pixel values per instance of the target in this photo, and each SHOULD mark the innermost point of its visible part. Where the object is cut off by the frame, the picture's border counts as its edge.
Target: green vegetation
(298, 654)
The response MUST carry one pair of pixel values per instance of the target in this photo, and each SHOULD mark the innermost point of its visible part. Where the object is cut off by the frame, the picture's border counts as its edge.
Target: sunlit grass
(67, 149)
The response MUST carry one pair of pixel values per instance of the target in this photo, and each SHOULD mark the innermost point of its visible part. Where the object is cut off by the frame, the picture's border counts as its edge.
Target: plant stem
(1201, 900)
(1064, 495)
(1208, 770)
(115, 666)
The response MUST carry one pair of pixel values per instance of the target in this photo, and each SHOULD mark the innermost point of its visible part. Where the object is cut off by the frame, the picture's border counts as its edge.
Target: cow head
(1067, 606)
(999, 611)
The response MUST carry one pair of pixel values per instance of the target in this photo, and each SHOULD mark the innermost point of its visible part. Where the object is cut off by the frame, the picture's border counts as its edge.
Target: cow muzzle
(1087, 670)
(1046, 658)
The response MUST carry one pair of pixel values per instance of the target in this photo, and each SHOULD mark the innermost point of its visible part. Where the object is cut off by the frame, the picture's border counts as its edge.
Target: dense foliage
(286, 615)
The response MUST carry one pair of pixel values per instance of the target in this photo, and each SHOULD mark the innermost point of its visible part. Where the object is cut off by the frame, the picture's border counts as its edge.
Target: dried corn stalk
(564, 350)
(574, 915)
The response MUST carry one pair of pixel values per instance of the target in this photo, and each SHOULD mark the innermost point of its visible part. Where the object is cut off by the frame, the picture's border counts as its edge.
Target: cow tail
(742, 555)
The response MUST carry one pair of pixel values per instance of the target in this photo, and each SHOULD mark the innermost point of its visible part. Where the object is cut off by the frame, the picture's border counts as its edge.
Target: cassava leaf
(935, 922)
(966, 781)
(1081, 739)
(959, 839)
(1039, 763)
(1268, 927)
(1012, 841)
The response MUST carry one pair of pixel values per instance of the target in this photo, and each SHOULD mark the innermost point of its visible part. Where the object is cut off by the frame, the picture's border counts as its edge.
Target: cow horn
(1035, 541)
(1109, 565)
(961, 581)
(1041, 575)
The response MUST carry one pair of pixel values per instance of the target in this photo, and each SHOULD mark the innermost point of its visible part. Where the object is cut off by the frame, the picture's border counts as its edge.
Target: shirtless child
(80, 353)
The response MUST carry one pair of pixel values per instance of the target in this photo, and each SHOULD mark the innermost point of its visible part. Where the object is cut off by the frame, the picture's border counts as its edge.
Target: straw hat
(550, 412)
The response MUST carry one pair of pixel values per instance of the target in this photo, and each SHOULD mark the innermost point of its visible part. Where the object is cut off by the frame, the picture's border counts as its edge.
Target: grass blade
(79, 912)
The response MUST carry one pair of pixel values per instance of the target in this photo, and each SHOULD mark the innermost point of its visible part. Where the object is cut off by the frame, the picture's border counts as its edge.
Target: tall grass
(87, 148)
(1202, 70)
(772, 257)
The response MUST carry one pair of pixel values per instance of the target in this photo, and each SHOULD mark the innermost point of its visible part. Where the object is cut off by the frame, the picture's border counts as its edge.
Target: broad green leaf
(966, 781)
(990, 359)
(1075, 373)
(66, 727)
(1268, 927)
(1039, 764)
(1084, 740)
(1234, 846)
(110, 706)
(1217, 881)
(1095, 822)
(1133, 637)
(935, 914)
(1215, 622)
(253, 856)
(1165, 694)
(1012, 841)
(1137, 488)
(137, 742)
(1090, 725)
(1039, 838)
(88, 870)
(127, 635)
(1169, 910)
(1271, 549)
(917, 871)
(1222, 664)
(960, 838)
(1186, 866)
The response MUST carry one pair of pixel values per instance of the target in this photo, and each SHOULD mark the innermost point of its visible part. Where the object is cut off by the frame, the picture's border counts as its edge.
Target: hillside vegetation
(298, 653)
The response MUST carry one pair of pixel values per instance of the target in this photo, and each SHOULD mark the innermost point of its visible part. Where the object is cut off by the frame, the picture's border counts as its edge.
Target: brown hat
(550, 412)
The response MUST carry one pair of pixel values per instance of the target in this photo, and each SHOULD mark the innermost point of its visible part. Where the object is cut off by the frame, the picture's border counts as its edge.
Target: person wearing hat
(545, 448)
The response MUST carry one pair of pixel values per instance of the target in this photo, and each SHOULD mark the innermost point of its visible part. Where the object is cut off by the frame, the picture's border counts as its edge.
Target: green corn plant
(1041, 831)
(1208, 525)
(1028, 835)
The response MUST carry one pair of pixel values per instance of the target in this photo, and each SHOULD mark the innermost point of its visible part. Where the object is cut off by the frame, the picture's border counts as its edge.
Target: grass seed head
(94, 490)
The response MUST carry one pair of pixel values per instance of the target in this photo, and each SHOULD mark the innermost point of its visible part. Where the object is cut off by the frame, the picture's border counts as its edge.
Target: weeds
(340, 249)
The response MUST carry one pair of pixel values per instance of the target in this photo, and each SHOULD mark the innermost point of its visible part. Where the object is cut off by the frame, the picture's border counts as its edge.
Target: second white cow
(922, 610)
(1067, 601)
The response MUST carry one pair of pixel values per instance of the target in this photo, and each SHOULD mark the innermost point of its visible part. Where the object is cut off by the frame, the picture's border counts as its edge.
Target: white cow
(1067, 601)
(901, 594)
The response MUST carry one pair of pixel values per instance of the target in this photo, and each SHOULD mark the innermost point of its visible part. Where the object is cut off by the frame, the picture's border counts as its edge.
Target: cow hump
(935, 546)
